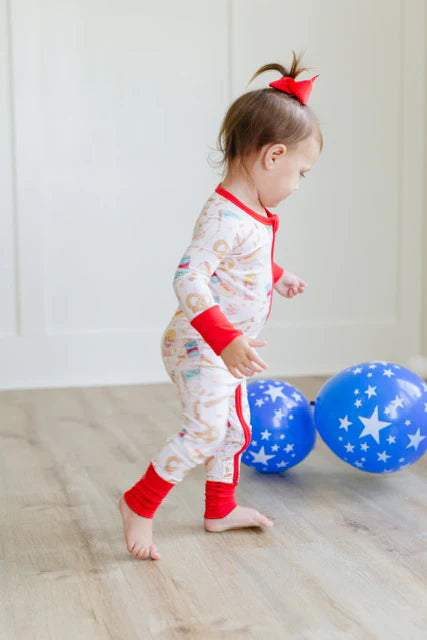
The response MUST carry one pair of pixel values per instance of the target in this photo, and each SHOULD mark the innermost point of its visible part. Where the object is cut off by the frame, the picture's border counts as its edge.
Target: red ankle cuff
(147, 494)
(219, 498)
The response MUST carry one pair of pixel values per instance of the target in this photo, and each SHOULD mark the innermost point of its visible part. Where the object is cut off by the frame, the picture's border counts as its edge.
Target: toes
(264, 521)
(140, 552)
(154, 553)
(144, 552)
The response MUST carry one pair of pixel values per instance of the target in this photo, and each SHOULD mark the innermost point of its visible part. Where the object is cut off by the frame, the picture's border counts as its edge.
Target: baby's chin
(275, 203)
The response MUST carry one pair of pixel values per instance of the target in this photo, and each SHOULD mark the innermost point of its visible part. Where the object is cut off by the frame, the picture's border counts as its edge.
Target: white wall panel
(8, 283)
(130, 102)
(352, 229)
(110, 110)
(423, 349)
(117, 106)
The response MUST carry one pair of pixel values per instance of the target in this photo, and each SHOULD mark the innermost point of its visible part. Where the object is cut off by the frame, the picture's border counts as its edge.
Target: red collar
(270, 218)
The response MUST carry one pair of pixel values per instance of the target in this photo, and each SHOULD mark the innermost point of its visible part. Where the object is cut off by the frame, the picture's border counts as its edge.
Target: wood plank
(347, 556)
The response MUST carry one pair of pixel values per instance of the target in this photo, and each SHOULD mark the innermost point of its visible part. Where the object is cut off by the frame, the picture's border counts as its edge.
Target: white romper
(224, 285)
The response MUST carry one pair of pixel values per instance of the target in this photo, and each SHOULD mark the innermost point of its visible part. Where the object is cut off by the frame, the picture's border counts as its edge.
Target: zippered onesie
(224, 285)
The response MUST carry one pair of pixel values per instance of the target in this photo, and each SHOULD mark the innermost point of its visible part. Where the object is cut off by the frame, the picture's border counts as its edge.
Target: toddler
(224, 283)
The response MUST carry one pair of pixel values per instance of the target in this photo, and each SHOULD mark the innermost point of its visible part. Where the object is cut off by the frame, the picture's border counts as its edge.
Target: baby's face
(282, 168)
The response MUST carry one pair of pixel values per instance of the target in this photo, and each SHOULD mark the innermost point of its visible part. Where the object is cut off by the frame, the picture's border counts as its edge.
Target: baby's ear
(272, 153)
(278, 150)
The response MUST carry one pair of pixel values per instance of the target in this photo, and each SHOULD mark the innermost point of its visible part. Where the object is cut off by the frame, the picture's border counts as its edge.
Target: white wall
(110, 111)
(424, 251)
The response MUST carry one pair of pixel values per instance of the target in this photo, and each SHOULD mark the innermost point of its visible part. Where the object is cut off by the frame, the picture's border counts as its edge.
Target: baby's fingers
(253, 366)
(246, 369)
(255, 357)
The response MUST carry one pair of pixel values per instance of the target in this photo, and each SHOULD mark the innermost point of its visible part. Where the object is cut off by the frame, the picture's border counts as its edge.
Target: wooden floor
(347, 557)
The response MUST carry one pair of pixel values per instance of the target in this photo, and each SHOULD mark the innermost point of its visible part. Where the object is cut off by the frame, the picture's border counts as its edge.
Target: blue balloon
(283, 431)
(374, 416)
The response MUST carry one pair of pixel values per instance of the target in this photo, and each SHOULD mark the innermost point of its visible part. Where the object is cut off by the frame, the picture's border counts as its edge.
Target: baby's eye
(302, 175)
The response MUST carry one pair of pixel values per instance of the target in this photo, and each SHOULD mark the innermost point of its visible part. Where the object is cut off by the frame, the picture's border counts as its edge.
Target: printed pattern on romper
(228, 263)
(210, 430)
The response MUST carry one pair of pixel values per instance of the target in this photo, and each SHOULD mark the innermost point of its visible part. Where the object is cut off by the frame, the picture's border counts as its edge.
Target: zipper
(246, 430)
(270, 219)
(273, 229)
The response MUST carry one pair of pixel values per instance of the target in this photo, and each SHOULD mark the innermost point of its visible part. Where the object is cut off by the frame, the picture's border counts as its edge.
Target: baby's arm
(289, 285)
(214, 237)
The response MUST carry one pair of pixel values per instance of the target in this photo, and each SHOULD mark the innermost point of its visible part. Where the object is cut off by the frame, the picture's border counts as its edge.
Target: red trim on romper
(219, 499)
(219, 496)
(215, 328)
(271, 218)
(147, 494)
(278, 271)
(246, 431)
(272, 272)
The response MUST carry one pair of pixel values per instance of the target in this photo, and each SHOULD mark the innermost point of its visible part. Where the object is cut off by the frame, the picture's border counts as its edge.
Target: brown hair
(266, 115)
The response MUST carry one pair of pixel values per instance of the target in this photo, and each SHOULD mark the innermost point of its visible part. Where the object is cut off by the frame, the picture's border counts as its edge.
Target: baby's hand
(239, 357)
(289, 285)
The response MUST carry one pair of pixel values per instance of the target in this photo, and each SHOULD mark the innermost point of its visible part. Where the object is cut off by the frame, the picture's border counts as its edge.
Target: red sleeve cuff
(215, 328)
(277, 272)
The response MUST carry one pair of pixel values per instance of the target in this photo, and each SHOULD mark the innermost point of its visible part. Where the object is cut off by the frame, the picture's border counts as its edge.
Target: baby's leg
(137, 507)
(205, 403)
(223, 472)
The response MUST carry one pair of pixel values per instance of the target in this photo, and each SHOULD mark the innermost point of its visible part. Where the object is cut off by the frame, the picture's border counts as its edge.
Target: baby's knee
(213, 438)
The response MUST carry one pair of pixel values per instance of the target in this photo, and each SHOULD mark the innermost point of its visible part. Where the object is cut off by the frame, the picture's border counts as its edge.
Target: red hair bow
(299, 88)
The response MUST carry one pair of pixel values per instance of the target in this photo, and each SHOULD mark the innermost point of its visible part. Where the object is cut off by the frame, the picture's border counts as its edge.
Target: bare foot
(138, 533)
(239, 517)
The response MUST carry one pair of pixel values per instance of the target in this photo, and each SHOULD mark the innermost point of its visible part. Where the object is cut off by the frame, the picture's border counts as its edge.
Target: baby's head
(271, 138)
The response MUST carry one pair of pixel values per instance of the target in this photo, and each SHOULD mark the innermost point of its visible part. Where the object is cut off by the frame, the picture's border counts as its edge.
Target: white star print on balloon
(280, 414)
(373, 425)
(415, 439)
(345, 423)
(371, 391)
(375, 416)
(397, 402)
(275, 392)
(260, 456)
